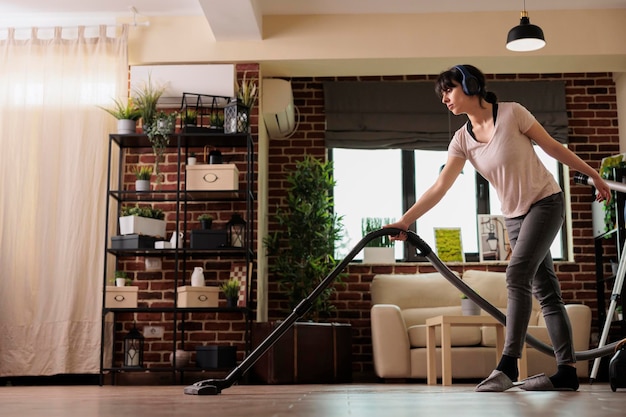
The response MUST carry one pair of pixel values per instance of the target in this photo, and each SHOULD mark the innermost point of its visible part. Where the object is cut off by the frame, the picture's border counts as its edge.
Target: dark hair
(454, 76)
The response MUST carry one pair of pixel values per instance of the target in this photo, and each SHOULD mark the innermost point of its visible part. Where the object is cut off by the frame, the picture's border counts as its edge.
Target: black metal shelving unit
(179, 143)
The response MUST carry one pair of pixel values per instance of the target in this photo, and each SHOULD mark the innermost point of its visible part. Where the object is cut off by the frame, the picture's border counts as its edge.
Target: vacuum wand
(613, 185)
(619, 276)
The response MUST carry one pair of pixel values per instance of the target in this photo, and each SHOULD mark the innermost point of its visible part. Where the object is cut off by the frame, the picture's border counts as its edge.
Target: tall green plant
(158, 133)
(370, 224)
(146, 97)
(302, 250)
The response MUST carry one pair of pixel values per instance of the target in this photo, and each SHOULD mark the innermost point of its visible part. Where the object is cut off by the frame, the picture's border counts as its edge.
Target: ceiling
(26, 13)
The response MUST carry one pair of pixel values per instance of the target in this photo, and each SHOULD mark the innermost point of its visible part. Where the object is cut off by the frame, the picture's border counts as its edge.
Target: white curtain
(53, 168)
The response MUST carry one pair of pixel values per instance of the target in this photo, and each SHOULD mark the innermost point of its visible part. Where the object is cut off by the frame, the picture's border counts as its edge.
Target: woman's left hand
(603, 192)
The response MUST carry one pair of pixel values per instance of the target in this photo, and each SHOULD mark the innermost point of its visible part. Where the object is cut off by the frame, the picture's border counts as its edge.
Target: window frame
(409, 197)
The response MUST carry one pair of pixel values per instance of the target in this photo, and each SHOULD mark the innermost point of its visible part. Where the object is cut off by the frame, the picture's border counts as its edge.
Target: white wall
(577, 41)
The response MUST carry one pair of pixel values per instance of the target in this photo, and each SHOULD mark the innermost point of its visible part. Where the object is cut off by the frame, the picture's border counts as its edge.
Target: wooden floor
(358, 400)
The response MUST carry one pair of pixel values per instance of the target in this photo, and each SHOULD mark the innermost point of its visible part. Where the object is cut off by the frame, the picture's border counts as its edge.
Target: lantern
(133, 349)
(236, 231)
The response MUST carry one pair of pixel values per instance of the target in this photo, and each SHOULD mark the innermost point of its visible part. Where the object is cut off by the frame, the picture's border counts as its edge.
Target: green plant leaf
(301, 252)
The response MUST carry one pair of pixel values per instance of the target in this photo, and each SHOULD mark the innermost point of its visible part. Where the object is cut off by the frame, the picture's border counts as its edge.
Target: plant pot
(469, 308)
(191, 160)
(142, 185)
(130, 225)
(163, 126)
(378, 255)
(120, 282)
(206, 224)
(231, 301)
(126, 127)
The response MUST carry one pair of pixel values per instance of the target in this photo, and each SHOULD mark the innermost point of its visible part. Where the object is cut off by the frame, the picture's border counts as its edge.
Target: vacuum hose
(215, 386)
(492, 310)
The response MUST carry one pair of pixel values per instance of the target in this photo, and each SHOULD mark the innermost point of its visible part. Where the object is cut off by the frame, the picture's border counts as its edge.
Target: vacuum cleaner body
(617, 367)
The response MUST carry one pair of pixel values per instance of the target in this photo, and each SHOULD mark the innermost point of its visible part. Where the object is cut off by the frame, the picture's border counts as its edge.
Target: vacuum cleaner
(215, 386)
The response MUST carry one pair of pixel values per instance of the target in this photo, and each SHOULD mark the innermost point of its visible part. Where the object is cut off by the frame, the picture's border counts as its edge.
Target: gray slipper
(540, 382)
(496, 382)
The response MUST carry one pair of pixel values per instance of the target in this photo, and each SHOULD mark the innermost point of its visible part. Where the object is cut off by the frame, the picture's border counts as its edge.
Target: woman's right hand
(398, 225)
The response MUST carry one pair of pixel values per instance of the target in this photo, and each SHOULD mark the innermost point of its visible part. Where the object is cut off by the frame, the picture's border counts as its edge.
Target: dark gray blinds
(409, 115)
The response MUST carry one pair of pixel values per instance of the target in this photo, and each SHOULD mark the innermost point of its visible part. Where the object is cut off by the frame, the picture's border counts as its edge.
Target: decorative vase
(182, 358)
(176, 241)
(142, 185)
(469, 308)
(197, 277)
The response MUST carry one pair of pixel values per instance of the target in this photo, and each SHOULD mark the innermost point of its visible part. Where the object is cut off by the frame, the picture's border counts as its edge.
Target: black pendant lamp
(525, 37)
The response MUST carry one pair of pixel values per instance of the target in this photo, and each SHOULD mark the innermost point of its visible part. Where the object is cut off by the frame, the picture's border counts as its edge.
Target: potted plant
(144, 220)
(468, 307)
(230, 289)
(121, 279)
(190, 117)
(301, 255)
(618, 311)
(143, 174)
(206, 220)
(302, 251)
(191, 159)
(217, 120)
(159, 132)
(379, 250)
(247, 92)
(126, 114)
(146, 97)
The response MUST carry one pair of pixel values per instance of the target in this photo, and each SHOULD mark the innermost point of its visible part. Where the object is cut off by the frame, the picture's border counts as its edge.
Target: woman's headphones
(470, 84)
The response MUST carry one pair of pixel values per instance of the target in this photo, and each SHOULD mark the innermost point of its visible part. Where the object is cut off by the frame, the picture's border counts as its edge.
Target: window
(370, 183)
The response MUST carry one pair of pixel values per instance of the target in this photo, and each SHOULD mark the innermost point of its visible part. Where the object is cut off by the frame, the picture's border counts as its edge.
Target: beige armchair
(402, 303)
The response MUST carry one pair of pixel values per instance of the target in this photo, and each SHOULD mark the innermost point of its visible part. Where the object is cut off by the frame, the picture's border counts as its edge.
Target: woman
(498, 141)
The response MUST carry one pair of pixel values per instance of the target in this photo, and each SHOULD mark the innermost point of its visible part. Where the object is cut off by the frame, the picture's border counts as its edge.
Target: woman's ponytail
(490, 97)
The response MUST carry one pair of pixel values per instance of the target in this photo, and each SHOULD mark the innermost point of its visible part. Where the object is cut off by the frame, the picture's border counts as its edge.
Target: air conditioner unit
(278, 108)
(210, 79)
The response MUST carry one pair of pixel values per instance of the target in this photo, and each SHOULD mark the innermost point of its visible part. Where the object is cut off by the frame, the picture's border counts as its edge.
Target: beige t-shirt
(508, 161)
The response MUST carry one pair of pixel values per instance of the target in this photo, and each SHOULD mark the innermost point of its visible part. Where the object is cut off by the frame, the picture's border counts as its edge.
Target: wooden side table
(446, 323)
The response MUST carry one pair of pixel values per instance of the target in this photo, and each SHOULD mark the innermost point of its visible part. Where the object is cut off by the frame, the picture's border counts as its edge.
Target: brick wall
(591, 104)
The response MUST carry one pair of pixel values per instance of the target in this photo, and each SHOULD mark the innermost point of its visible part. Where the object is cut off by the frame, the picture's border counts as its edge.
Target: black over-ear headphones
(470, 83)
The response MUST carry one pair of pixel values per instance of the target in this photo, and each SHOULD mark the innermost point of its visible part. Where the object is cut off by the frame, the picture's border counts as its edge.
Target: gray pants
(531, 273)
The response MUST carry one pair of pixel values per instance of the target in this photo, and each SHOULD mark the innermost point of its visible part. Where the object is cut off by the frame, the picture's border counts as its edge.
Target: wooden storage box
(189, 296)
(121, 297)
(212, 177)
